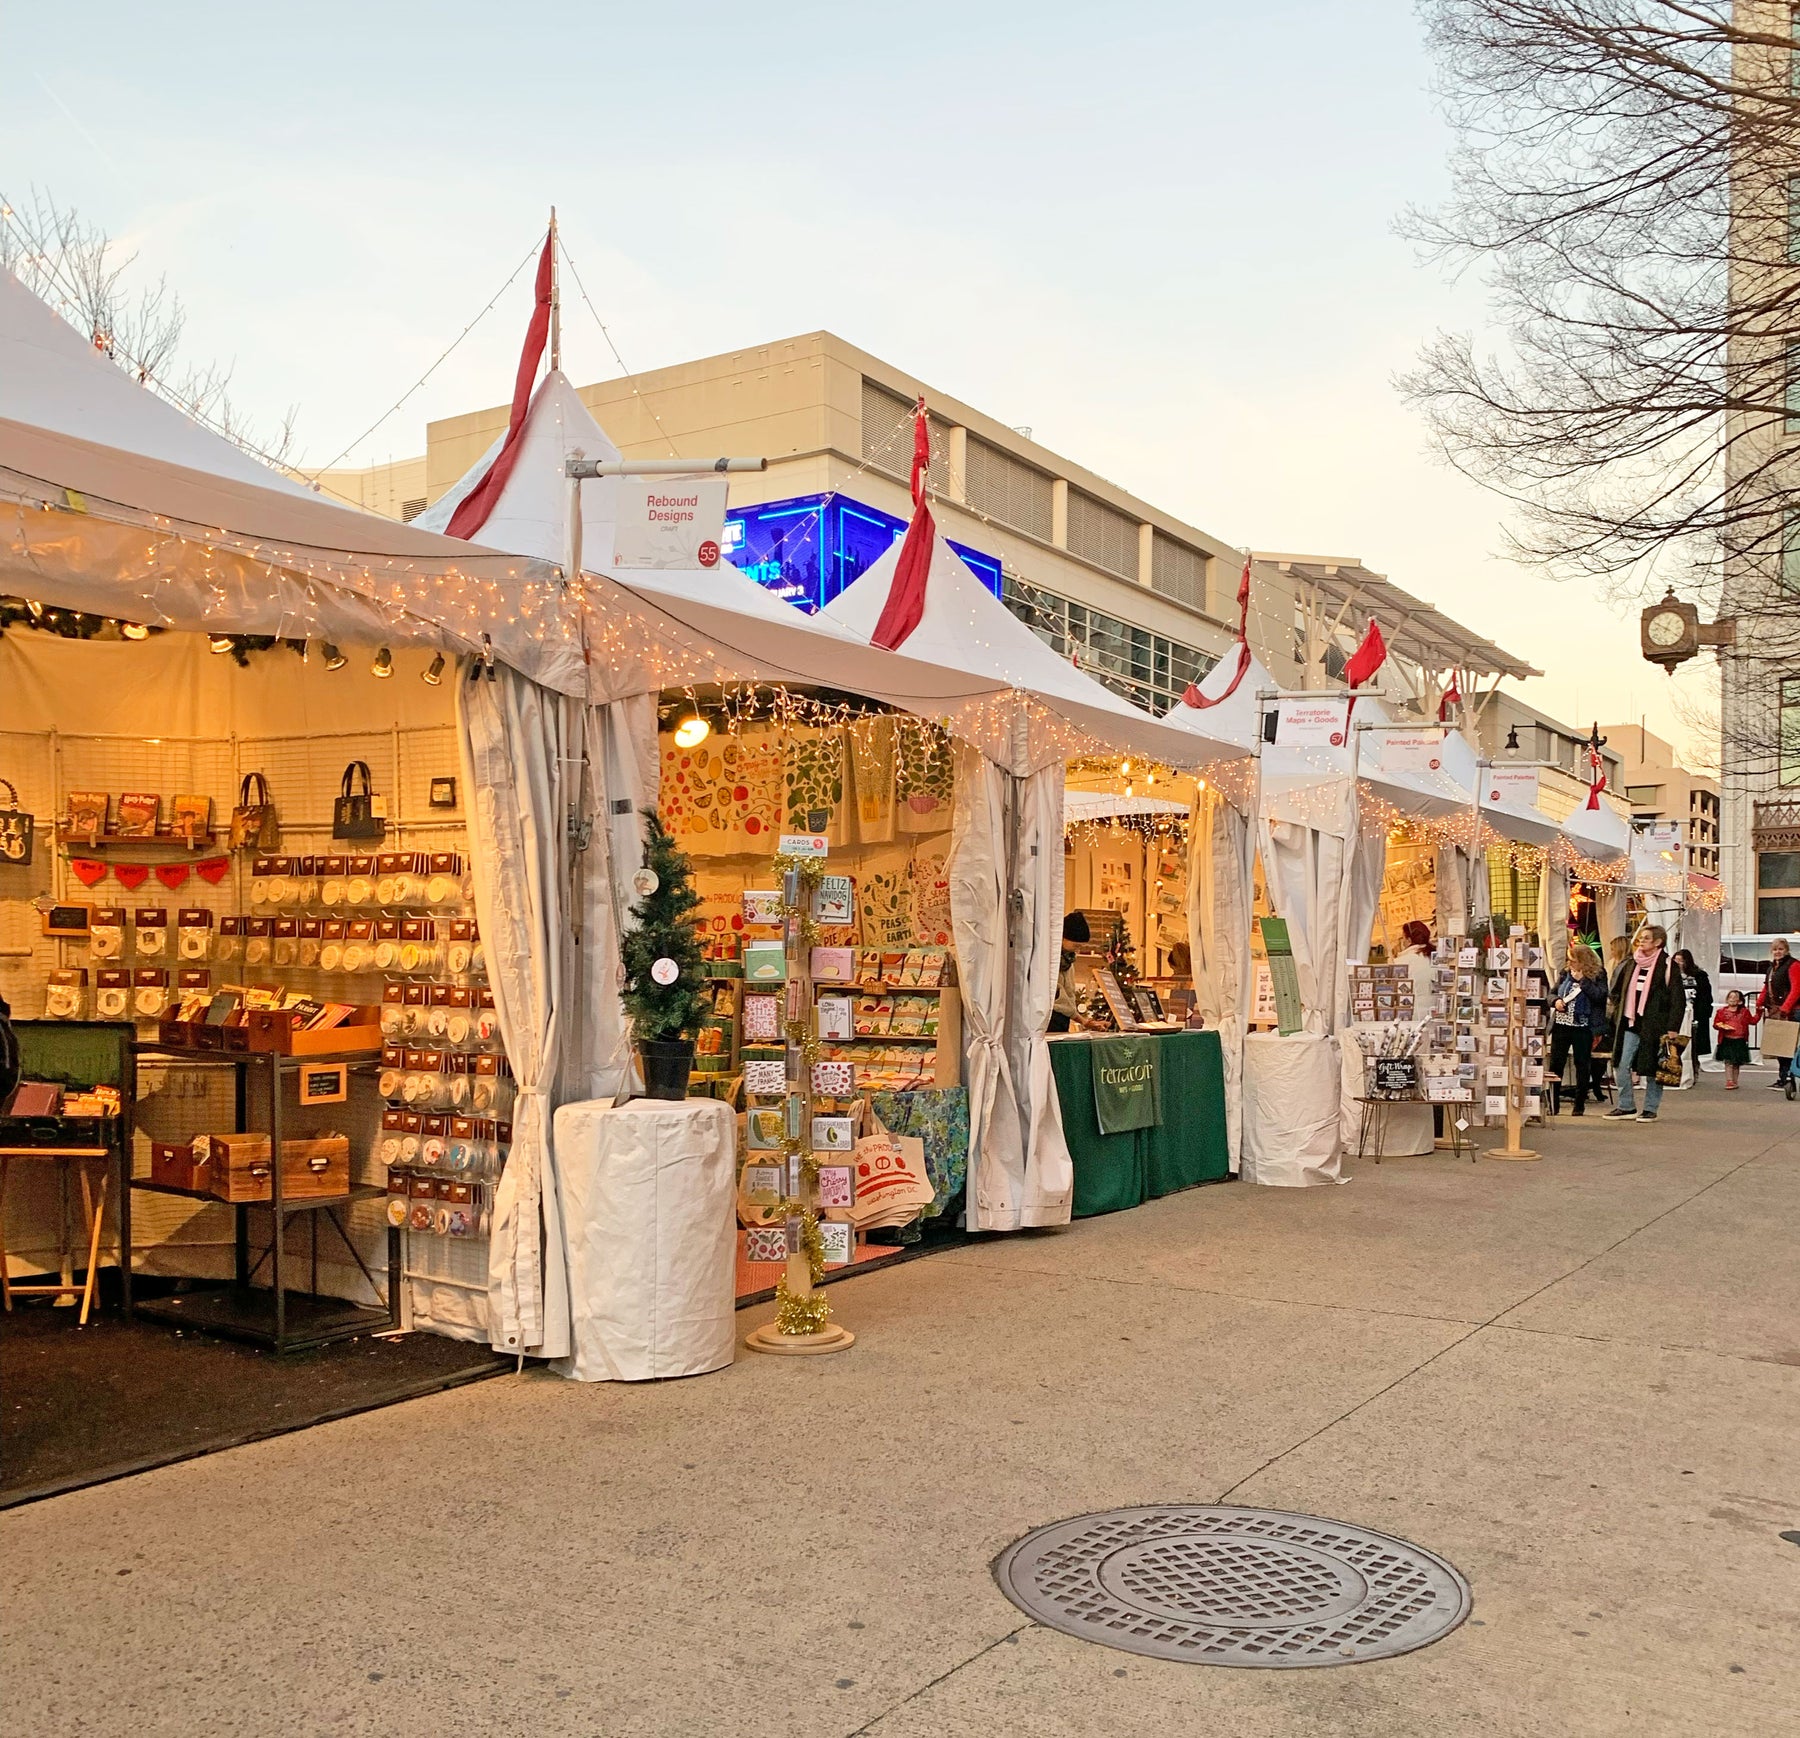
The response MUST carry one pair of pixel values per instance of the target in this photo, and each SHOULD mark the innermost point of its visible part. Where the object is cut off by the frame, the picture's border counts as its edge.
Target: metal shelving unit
(273, 1314)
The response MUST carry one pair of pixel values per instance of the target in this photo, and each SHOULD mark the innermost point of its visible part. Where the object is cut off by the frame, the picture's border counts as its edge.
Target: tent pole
(555, 299)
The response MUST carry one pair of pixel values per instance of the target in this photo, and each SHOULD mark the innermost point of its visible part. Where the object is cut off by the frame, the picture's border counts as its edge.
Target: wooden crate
(277, 1031)
(310, 1168)
(173, 1166)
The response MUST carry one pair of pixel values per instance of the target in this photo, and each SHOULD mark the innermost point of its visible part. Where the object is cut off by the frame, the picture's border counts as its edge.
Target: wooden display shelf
(299, 1204)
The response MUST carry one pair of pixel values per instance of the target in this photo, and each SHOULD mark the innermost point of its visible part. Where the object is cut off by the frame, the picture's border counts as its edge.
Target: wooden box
(277, 1030)
(310, 1168)
(173, 1166)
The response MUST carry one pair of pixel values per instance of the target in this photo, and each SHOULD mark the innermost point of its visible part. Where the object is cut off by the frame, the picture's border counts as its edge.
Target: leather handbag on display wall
(358, 813)
(254, 824)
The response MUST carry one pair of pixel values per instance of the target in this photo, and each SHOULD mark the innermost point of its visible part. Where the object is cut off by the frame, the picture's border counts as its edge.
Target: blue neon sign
(808, 549)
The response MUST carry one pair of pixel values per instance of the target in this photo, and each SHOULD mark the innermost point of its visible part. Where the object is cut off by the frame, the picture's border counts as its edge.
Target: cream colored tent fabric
(1048, 1186)
(977, 875)
(1220, 901)
(520, 747)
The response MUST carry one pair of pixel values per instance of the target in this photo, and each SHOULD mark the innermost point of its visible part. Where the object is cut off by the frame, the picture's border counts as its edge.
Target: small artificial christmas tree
(1121, 956)
(664, 1012)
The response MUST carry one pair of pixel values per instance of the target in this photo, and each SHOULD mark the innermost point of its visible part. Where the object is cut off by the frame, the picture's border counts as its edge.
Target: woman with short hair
(1651, 1005)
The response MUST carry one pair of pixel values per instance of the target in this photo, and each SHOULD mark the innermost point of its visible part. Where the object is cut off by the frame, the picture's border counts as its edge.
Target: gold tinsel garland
(800, 1315)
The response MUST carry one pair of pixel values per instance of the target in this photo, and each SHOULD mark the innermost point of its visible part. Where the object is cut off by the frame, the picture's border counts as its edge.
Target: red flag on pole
(473, 509)
(1193, 697)
(1368, 657)
(1452, 697)
(905, 605)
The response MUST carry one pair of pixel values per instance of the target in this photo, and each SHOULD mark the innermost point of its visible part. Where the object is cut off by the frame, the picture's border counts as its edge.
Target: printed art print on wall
(817, 762)
(724, 796)
(924, 777)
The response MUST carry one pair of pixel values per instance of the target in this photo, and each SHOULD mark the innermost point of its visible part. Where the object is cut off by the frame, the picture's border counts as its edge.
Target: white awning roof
(1055, 711)
(124, 507)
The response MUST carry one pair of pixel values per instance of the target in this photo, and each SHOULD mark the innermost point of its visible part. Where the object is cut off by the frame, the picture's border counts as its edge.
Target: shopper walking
(1780, 996)
(1733, 1023)
(1697, 1024)
(1577, 1012)
(1650, 1007)
(1702, 1047)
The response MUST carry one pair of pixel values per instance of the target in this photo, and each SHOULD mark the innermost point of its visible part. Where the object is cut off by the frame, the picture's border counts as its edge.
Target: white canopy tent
(1007, 858)
(1323, 814)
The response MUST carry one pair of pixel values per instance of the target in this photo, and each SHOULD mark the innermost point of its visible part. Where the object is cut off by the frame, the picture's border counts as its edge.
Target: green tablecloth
(1124, 1170)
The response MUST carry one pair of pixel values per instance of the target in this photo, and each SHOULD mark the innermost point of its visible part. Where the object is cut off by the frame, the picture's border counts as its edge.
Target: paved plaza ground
(1579, 1381)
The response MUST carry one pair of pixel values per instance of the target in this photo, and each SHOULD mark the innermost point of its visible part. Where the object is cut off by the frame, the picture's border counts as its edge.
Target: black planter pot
(667, 1064)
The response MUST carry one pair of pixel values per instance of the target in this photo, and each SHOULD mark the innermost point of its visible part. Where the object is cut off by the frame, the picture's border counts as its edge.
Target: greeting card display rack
(1527, 998)
(802, 1321)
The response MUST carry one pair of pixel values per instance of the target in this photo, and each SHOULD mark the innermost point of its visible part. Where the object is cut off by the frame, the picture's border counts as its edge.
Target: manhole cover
(1233, 1587)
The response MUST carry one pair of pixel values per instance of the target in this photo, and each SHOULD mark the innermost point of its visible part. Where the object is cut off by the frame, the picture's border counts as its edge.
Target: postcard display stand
(802, 1319)
(1483, 1054)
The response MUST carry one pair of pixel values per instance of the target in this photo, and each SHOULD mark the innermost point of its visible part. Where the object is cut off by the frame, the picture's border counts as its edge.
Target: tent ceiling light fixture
(133, 631)
(334, 659)
(384, 663)
(220, 643)
(435, 674)
(692, 731)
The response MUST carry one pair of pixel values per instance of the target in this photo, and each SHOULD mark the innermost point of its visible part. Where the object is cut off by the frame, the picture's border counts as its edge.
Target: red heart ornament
(87, 870)
(213, 870)
(171, 875)
(131, 876)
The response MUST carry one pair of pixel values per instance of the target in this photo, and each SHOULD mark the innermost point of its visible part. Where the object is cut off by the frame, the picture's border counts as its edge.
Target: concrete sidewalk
(1579, 1381)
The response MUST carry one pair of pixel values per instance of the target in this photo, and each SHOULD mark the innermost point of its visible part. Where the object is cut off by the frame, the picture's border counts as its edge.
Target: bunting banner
(905, 605)
(473, 509)
(1193, 697)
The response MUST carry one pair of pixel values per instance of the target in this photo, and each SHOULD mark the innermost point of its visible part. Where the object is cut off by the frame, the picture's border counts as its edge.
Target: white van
(1744, 965)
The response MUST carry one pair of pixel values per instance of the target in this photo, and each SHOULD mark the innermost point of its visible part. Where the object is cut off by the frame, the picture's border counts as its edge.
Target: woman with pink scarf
(1649, 1005)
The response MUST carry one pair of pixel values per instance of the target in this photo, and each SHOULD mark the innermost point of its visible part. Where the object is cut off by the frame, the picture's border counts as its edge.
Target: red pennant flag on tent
(1193, 697)
(1368, 657)
(1452, 697)
(473, 509)
(905, 606)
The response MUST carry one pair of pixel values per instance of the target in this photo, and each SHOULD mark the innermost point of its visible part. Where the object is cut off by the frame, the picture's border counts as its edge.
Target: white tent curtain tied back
(521, 758)
(1048, 1188)
(977, 874)
(1220, 903)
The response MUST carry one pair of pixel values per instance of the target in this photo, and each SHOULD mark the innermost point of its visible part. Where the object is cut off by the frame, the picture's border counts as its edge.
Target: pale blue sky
(1159, 234)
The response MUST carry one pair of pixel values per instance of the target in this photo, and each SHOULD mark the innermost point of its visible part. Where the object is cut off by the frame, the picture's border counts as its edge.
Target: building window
(1643, 796)
(1793, 220)
(1512, 891)
(1008, 489)
(1143, 667)
(1790, 545)
(808, 549)
(1789, 731)
(1777, 892)
(1178, 571)
(1109, 538)
(1791, 389)
(887, 438)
